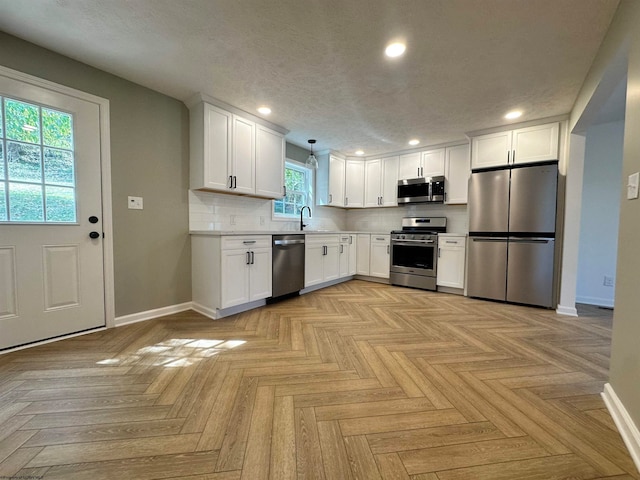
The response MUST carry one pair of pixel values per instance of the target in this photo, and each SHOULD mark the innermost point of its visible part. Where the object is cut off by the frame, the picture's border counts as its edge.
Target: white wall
(600, 213)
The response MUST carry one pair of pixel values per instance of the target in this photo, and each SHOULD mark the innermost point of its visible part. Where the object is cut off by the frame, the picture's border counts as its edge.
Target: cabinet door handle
(341, 248)
(508, 153)
(418, 171)
(438, 252)
(513, 157)
(248, 258)
(230, 181)
(330, 198)
(284, 188)
(253, 257)
(421, 171)
(350, 239)
(249, 242)
(387, 249)
(235, 182)
(346, 201)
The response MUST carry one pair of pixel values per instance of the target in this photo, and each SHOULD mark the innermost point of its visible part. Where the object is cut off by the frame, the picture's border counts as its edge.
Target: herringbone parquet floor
(356, 381)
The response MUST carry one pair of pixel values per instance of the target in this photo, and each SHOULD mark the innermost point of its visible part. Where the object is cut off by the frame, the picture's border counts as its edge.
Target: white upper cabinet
(210, 147)
(409, 165)
(243, 155)
(535, 144)
(270, 150)
(372, 176)
(354, 183)
(336, 181)
(381, 182)
(389, 182)
(525, 145)
(456, 177)
(432, 163)
(492, 150)
(232, 154)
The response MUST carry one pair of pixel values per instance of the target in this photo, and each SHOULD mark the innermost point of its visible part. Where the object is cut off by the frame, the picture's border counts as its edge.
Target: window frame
(310, 181)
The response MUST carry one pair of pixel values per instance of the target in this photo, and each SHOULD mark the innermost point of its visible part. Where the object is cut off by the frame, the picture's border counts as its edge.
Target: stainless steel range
(414, 252)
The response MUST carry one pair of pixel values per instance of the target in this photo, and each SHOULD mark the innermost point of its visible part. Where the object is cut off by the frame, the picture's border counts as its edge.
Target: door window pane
(57, 129)
(37, 164)
(61, 204)
(3, 203)
(25, 202)
(24, 162)
(22, 121)
(58, 167)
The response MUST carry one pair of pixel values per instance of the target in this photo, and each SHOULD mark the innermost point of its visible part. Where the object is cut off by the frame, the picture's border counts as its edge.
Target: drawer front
(314, 239)
(380, 238)
(451, 241)
(249, 241)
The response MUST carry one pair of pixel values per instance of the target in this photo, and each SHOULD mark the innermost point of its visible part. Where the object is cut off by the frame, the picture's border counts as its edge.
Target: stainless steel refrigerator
(512, 218)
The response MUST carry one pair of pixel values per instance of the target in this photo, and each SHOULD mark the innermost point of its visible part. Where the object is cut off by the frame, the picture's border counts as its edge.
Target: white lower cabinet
(363, 248)
(379, 256)
(451, 261)
(322, 259)
(228, 271)
(353, 254)
(344, 256)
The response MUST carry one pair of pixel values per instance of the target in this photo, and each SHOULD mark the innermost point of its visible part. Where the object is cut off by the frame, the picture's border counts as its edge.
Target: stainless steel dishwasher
(288, 265)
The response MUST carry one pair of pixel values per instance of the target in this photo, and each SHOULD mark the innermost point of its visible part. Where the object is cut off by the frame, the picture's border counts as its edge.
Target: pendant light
(312, 161)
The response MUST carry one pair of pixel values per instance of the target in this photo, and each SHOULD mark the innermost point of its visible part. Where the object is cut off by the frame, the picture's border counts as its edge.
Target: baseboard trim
(149, 314)
(628, 430)
(570, 311)
(330, 283)
(598, 302)
(206, 311)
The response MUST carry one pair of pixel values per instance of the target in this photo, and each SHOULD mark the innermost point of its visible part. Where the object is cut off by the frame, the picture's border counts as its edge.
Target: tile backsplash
(215, 211)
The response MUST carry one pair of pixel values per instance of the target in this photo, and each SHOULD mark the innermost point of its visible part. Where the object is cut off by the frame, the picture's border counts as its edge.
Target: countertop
(222, 233)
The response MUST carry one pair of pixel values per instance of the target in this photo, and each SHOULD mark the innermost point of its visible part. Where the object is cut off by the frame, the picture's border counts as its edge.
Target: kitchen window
(298, 181)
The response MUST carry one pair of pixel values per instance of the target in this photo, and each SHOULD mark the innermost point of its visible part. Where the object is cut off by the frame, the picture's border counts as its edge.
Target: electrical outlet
(134, 203)
(608, 281)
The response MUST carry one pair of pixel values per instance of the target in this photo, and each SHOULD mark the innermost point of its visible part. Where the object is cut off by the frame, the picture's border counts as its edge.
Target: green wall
(150, 159)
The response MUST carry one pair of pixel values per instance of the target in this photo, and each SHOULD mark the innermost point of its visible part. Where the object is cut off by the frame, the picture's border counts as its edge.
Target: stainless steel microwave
(421, 190)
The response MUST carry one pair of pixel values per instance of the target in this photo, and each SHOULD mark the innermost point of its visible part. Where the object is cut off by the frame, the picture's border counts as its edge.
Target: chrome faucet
(302, 225)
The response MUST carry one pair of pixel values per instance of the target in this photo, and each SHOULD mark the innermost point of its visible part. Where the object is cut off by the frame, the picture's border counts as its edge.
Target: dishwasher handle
(288, 242)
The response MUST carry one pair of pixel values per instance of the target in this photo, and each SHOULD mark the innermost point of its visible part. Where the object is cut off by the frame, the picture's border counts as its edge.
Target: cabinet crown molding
(204, 98)
(515, 126)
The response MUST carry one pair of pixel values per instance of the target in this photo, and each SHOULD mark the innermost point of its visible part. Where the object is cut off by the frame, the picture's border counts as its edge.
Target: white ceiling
(319, 64)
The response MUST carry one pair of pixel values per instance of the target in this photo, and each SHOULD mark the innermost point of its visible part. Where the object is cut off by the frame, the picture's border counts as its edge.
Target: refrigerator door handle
(504, 239)
(529, 240)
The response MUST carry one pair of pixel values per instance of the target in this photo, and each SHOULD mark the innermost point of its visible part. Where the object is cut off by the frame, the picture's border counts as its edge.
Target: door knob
(93, 219)
(94, 235)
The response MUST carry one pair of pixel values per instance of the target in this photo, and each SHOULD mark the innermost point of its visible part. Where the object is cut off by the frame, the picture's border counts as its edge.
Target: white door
(379, 266)
(51, 270)
(409, 166)
(331, 262)
(362, 255)
(433, 163)
(344, 259)
(270, 149)
(234, 274)
(243, 156)
(354, 184)
(457, 174)
(372, 175)
(536, 144)
(389, 182)
(492, 150)
(313, 258)
(260, 280)
(336, 181)
(352, 254)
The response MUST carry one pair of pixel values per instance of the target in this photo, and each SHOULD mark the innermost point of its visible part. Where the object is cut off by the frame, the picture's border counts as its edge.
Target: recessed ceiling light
(264, 110)
(359, 152)
(395, 49)
(513, 115)
(415, 141)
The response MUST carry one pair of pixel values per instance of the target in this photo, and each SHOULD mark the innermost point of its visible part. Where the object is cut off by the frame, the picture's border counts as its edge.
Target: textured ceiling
(319, 64)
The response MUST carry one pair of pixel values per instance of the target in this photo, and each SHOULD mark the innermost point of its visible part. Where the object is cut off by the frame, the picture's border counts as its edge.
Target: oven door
(417, 257)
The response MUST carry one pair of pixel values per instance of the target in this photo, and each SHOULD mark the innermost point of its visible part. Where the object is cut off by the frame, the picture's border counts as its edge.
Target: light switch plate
(632, 186)
(135, 203)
